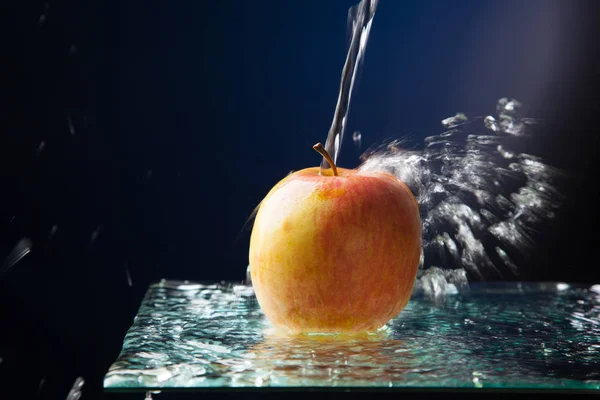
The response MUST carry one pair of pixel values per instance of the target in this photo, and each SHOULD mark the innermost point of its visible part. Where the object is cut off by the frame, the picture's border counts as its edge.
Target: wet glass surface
(506, 336)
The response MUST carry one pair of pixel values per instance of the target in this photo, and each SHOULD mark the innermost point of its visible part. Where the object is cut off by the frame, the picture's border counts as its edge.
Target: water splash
(360, 18)
(480, 200)
(436, 283)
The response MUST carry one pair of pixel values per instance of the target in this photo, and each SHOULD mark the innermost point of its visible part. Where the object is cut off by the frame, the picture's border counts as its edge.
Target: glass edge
(379, 389)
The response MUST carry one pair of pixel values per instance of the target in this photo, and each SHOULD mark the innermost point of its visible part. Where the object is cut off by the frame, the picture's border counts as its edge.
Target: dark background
(186, 113)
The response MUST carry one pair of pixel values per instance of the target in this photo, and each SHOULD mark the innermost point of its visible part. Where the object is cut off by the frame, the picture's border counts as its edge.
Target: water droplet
(72, 50)
(44, 14)
(129, 282)
(21, 249)
(248, 275)
(357, 139)
(149, 174)
(76, 391)
(456, 120)
(504, 153)
(70, 124)
(512, 127)
(53, 231)
(40, 386)
(506, 260)
(95, 234)
(508, 110)
(530, 121)
(448, 133)
(491, 124)
(506, 106)
(1, 360)
(41, 147)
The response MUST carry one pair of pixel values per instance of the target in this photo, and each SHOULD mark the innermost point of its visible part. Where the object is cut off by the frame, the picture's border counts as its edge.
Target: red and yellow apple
(336, 252)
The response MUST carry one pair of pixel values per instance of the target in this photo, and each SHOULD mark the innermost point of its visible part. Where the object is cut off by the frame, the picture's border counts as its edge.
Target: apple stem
(321, 150)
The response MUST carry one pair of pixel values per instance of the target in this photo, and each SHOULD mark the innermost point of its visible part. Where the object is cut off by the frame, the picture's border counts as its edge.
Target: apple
(335, 253)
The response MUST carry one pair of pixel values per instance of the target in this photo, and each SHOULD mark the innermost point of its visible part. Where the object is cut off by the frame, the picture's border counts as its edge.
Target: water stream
(360, 19)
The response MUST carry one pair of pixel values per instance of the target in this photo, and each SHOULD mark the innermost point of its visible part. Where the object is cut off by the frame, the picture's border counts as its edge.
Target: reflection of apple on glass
(331, 358)
(336, 251)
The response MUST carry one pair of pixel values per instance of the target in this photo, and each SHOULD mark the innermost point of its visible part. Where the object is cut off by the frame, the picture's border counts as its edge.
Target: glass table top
(499, 336)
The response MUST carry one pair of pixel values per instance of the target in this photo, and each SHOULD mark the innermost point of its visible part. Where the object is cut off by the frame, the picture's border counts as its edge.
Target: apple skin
(335, 254)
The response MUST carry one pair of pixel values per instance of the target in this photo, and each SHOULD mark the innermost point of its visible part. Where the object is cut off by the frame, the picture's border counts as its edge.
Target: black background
(186, 113)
